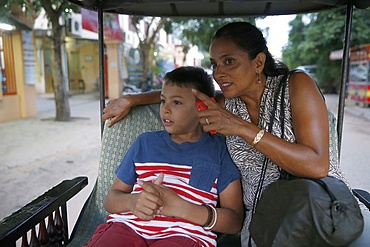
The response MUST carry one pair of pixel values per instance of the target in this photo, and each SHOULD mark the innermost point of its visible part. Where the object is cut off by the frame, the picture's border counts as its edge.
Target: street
(38, 153)
(355, 157)
(355, 152)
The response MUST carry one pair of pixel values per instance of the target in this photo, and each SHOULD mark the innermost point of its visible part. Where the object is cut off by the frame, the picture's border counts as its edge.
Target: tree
(54, 9)
(190, 31)
(147, 40)
(312, 37)
(199, 31)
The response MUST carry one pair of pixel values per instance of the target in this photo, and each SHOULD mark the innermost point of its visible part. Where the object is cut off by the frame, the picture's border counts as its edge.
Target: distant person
(170, 182)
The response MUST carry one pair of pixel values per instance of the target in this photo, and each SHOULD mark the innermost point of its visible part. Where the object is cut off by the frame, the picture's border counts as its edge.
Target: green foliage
(312, 37)
(199, 31)
(31, 8)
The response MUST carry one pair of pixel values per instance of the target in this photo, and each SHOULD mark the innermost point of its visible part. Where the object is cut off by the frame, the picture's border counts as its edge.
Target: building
(26, 48)
(18, 66)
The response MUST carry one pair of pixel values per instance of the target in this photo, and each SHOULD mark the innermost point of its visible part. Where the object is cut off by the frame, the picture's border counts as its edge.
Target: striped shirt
(194, 176)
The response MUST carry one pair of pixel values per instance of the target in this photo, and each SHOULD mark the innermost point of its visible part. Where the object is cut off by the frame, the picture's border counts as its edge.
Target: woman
(248, 77)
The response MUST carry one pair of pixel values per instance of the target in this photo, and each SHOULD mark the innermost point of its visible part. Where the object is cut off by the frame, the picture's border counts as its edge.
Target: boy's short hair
(192, 77)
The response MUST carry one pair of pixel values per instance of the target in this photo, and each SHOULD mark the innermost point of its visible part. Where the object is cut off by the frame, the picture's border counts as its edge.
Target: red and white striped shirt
(177, 178)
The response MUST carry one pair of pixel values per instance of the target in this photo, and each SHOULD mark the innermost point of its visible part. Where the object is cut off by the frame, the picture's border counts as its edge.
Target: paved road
(355, 153)
(38, 153)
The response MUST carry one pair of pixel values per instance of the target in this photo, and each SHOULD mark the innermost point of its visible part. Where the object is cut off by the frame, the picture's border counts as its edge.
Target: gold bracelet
(257, 138)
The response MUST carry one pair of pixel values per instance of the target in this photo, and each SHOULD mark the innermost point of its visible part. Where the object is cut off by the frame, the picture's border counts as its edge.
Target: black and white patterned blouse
(250, 160)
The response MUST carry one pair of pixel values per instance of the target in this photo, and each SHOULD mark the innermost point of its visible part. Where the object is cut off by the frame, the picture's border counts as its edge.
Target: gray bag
(306, 212)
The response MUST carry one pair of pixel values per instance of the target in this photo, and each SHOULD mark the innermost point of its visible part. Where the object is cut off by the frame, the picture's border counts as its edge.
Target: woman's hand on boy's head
(206, 112)
(205, 98)
(217, 118)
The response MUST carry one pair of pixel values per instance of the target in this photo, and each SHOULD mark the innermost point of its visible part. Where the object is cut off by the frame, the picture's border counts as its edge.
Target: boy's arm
(117, 109)
(230, 214)
(143, 205)
(231, 210)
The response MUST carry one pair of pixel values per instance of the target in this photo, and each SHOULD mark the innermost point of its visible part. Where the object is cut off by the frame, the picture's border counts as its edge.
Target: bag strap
(280, 90)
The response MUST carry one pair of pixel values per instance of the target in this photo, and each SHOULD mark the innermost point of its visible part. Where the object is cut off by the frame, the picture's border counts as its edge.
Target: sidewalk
(38, 153)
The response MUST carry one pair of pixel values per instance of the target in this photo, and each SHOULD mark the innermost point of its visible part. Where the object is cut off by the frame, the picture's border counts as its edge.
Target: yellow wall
(24, 103)
(115, 84)
(9, 108)
(83, 64)
(89, 62)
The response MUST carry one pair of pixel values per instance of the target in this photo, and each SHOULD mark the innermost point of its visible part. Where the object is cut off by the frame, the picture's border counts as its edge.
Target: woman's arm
(117, 109)
(229, 215)
(310, 155)
(143, 205)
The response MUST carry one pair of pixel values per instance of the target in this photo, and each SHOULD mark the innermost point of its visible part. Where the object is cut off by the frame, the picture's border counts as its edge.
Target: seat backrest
(115, 143)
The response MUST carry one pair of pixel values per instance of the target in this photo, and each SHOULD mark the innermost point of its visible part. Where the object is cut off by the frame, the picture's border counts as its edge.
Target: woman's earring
(258, 78)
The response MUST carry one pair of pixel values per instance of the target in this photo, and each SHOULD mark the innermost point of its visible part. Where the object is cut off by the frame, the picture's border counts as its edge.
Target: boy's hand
(148, 202)
(171, 200)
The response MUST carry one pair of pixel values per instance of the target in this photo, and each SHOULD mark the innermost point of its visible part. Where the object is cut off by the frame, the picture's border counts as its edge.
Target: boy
(170, 181)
